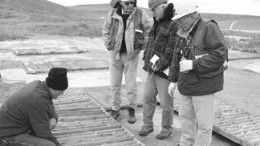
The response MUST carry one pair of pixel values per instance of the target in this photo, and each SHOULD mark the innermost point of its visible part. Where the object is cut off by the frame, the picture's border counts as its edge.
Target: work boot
(165, 133)
(131, 118)
(114, 114)
(145, 130)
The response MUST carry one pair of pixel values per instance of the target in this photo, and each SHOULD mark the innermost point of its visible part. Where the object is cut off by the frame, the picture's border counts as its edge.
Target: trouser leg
(29, 140)
(166, 102)
(130, 71)
(204, 110)
(116, 73)
(188, 121)
(149, 100)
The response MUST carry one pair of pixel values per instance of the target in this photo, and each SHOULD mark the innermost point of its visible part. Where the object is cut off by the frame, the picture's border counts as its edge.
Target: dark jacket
(161, 42)
(207, 49)
(28, 110)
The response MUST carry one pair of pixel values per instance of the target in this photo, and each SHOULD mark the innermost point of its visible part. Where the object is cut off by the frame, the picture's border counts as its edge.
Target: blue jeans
(156, 85)
(26, 140)
(117, 68)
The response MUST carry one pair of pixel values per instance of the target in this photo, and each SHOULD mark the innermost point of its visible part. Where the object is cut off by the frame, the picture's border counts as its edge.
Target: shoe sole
(131, 122)
(115, 117)
(162, 138)
(146, 133)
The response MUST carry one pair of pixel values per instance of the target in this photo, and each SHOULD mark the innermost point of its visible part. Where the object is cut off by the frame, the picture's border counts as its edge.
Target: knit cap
(57, 78)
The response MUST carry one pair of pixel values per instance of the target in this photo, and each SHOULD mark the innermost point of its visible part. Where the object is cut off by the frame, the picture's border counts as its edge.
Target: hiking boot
(145, 130)
(131, 118)
(165, 133)
(114, 114)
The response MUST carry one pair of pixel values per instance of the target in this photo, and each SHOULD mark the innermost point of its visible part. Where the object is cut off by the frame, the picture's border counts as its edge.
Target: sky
(247, 7)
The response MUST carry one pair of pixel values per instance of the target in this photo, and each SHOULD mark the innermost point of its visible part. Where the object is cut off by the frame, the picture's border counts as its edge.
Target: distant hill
(38, 11)
(96, 10)
(21, 19)
(243, 22)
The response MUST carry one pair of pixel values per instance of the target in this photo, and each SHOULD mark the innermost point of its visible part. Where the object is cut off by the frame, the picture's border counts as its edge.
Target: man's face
(56, 93)
(186, 22)
(128, 5)
(158, 12)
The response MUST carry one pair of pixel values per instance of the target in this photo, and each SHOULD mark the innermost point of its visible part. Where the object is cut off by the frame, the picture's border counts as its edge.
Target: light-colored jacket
(114, 24)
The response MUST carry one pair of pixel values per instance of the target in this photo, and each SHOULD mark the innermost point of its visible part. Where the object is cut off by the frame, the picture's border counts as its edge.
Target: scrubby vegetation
(243, 41)
(20, 19)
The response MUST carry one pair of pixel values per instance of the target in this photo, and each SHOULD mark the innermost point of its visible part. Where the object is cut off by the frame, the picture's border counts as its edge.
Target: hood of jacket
(168, 14)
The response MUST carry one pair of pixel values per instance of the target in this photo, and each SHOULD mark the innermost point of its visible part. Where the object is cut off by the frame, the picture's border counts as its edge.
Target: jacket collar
(47, 90)
(119, 12)
(168, 14)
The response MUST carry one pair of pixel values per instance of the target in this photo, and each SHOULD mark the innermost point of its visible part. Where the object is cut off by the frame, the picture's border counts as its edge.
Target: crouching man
(28, 116)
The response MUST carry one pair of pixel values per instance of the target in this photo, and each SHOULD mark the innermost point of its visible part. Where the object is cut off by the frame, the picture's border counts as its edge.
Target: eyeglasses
(128, 3)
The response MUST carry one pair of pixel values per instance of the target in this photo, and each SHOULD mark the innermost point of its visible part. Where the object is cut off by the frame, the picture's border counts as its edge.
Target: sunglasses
(128, 3)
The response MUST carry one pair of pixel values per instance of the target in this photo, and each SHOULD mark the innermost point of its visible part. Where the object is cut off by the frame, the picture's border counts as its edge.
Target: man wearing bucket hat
(125, 33)
(197, 67)
(28, 116)
(157, 58)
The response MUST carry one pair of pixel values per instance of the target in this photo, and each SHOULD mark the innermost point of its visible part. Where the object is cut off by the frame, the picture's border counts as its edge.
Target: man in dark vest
(125, 33)
(28, 116)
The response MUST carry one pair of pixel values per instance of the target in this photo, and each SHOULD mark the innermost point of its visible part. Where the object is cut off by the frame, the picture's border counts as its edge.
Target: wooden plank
(235, 124)
(71, 65)
(83, 122)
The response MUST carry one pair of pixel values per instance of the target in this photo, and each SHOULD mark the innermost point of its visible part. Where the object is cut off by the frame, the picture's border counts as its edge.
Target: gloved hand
(171, 89)
(186, 65)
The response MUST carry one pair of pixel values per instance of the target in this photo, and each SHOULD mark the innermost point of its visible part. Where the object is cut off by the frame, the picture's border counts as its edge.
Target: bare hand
(171, 89)
(154, 67)
(186, 65)
(53, 123)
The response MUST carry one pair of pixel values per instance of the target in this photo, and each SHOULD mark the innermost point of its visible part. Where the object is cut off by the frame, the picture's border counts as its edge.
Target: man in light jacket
(125, 33)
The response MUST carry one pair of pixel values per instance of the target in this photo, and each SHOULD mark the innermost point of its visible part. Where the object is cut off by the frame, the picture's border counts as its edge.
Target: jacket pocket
(163, 32)
(188, 79)
(111, 45)
(139, 39)
(213, 73)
